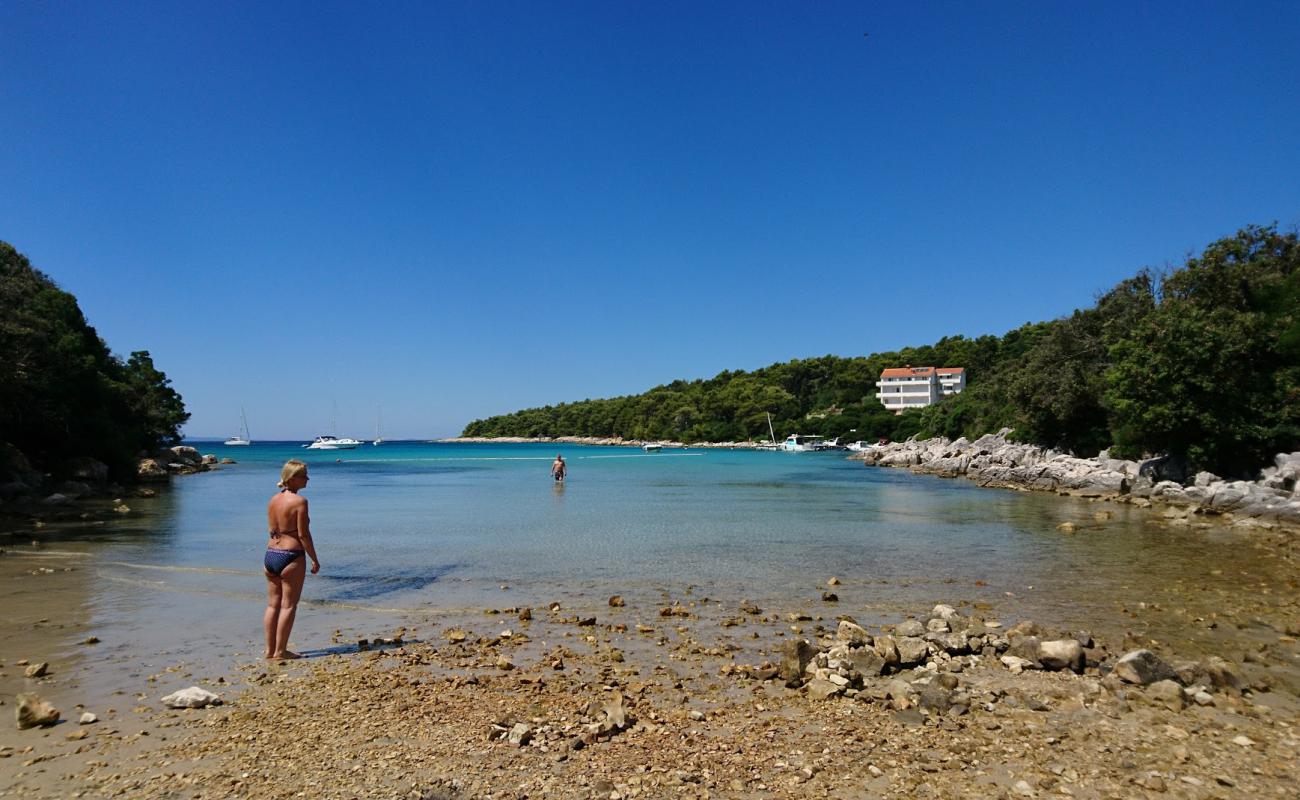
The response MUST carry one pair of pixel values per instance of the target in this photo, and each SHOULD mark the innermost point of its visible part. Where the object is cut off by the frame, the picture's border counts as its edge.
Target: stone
(616, 601)
(937, 626)
(934, 699)
(87, 718)
(83, 468)
(193, 697)
(855, 635)
(520, 734)
(795, 656)
(504, 663)
(1244, 741)
(150, 469)
(945, 612)
(833, 582)
(456, 635)
(1143, 667)
(867, 662)
(909, 627)
(37, 670)
(1067, 527)
(912, 650)
(525, 614)
(1017, 664)
(1026, 647)
(887, 649)
(746, 607)
(819, 689)
(1059, 654)
(32, 711)
(830, 597)
(1167, 693)
(1221, 674)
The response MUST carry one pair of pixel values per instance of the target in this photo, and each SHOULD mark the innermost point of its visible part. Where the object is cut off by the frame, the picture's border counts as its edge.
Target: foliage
(1203, 362)
(62, 392)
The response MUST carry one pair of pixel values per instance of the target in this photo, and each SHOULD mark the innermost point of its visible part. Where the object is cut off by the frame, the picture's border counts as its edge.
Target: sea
(417, 532)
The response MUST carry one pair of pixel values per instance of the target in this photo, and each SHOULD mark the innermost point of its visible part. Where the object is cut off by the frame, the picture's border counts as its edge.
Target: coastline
(700, 697)
(597, 441)
(1270, 501)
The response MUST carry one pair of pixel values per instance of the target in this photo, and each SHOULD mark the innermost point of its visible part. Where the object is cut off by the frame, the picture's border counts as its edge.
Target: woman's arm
(304, 535)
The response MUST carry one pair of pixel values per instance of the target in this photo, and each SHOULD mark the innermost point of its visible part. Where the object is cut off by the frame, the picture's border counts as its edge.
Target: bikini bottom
(276, 560)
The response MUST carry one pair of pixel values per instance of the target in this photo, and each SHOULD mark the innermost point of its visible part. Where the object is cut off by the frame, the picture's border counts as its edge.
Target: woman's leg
(292, 578)
(271, 618)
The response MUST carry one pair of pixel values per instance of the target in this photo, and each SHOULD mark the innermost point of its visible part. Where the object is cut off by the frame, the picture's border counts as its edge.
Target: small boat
(379, 437)
(833, 444)
(652, 447)
(240, 440)
(799, 443)
(333, 443)
(772, 445)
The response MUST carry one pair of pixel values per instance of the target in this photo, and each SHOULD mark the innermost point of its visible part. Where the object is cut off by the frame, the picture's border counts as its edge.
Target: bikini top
(277, 534)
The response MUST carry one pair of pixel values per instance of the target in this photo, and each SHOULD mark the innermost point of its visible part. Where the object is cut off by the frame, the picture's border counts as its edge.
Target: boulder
(150, 469)
(912, 650)
(1143, 667)
(795, 655)
(186, 455)
(1059, 654)
(209, 459)
(866, 661)
(887, 649)
(909, 627)
(819, 689)
(1167, 693)
(854, 635)
(32, 711)
(1221, 674)
(193, 697)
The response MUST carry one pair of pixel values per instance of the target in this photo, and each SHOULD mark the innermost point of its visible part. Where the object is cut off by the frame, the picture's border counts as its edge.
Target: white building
(901, 388)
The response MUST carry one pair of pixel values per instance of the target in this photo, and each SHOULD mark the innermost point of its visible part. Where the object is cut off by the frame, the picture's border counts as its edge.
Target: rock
(909, 627)
(866, 661)
(87, 718)
(1142, 667)
(1203, 698)
(228, 460)
(1061, 654)
(37, 670)
(945, 612)
(1244, 741)
(749, 608)
(1067, 527)
(912, 650)
(830, 597)
(33, 711)
(121, 508)
(833, 582)
(193, 697)
(887, 648)
(1221, 674)
(185, 455)
(934, 699)
(150, 469)
(76, 735)
(1017, 664)
(616, 601)
(1023, 789)
(937, 626)
(56, 499)
(456, 635)
(795, 655)
(520, 735)
(854, 635)
(819, 689)
(525, 614)
(1026, 647)
(1167, 693)
(504, 663)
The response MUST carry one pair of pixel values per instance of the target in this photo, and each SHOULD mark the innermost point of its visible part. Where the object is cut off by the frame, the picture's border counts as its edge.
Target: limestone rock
(912, 650)
(33, 711)
(854, 635)
(193, 697)
(37, 670)
(909, 627)
(795, 656)
(1143, 667)
(1061, 654)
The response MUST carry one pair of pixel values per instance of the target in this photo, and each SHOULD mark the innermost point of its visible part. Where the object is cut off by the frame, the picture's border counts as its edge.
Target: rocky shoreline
(1270, 500)
(82, 491)
(697, 698)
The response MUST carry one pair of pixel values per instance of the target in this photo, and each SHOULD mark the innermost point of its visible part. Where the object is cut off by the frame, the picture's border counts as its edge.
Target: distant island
(1201, 362)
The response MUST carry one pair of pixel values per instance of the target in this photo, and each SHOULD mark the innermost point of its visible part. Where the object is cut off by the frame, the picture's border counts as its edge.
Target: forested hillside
(1201, 362)
(62, 392)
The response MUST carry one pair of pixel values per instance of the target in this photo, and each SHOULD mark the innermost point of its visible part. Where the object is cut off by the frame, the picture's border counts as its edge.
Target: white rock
(1244, 741)
(193, 697)
(88, 718)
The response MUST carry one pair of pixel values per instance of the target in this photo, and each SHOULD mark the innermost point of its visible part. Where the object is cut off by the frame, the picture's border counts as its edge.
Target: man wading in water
(559, 469)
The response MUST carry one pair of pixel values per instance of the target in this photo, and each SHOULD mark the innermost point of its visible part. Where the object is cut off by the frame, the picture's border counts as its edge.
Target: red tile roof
(950, 370)
(908, 372)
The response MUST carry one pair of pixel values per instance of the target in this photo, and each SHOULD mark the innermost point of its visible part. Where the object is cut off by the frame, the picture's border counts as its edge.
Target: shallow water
(419, 531)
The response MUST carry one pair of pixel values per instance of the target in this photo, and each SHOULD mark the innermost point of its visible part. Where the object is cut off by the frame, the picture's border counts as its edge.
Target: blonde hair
(292, 468)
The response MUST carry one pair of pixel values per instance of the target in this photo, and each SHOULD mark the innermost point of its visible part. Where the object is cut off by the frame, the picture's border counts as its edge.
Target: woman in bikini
(285, 565)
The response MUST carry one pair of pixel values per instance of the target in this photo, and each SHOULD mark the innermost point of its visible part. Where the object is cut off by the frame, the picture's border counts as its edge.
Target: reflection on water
(429, 527)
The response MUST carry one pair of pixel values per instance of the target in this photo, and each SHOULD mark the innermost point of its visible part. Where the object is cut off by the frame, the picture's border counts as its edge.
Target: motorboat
(333, 443)
(800, 443)
(833, 444)
(652, 447)
(241, 439)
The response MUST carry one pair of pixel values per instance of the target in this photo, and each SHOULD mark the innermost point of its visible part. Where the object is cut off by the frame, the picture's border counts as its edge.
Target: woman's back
(286, 517)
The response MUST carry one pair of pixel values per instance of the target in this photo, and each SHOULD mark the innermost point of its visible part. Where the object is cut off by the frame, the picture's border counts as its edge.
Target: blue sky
(456, 210)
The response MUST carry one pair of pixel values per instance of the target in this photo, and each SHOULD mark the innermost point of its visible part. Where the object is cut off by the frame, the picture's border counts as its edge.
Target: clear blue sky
(456, 210)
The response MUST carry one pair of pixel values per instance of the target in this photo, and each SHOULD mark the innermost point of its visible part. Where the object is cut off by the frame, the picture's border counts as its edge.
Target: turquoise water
(416, 531)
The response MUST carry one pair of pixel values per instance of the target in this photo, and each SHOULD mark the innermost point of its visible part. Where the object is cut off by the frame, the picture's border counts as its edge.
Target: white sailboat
(765, 445)
(379, 436)
(240, 440)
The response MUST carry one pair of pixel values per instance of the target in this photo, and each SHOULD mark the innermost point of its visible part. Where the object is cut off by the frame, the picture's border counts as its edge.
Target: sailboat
(379, 437)
(240, 440)
(772, 433)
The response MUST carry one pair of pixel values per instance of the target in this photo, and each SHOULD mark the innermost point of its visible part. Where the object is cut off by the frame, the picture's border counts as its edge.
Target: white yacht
(652, 447)
(327, 442)
(241, 439)
(799, 443)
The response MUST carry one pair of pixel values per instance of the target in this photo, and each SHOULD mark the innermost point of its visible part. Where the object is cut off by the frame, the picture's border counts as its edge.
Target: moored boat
(328, 442)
